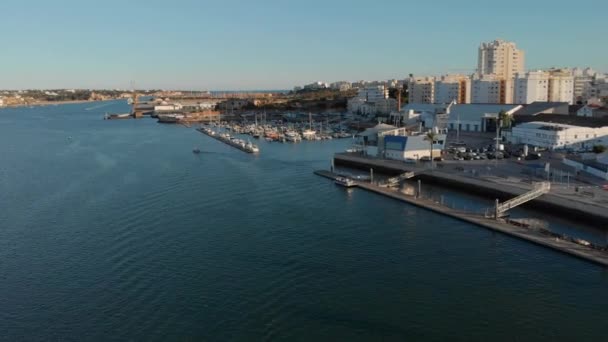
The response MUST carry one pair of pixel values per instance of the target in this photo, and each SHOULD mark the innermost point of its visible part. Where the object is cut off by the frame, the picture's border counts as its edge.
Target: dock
(554, 203)
(248, 148)
(499, 225)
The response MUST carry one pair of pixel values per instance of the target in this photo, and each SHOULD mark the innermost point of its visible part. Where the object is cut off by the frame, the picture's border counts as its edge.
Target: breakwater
(240, 144)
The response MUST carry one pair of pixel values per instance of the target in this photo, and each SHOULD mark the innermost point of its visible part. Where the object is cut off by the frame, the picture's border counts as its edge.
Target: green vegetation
(505, 119)
(599, 149)
(309, 100)
(431, 137)
(392, 93)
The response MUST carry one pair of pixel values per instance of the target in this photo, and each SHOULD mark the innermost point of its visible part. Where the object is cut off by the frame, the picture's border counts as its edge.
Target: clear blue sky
(278, 44)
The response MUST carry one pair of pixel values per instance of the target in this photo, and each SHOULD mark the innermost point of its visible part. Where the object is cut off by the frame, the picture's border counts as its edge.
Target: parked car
(533, 156)
(438, 159)
(425, 159)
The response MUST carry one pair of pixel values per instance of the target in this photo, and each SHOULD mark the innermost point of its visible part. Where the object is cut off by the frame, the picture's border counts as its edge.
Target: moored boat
(345, 182)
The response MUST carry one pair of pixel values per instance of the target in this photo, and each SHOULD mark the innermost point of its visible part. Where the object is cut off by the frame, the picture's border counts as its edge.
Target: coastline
(52, 103)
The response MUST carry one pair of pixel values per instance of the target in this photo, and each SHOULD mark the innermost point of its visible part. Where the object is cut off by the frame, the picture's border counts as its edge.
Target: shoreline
(52, 103)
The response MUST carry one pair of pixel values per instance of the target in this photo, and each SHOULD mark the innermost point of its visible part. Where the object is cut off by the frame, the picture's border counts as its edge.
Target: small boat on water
(345, 182)
(196, 151)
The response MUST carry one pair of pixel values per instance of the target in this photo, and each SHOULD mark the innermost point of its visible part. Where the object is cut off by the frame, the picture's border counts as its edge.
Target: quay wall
(556, 205)
(564, 246)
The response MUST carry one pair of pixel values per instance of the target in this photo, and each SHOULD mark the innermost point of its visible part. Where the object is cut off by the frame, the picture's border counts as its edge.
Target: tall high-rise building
(500, 58)
(502, 61)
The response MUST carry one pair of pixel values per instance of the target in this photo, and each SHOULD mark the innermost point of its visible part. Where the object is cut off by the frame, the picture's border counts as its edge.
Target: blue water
(114, 230)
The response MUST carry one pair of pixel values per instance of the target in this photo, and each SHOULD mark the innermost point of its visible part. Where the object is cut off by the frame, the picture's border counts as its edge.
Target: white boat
(292, 136)
(345, 182)
(309, 134)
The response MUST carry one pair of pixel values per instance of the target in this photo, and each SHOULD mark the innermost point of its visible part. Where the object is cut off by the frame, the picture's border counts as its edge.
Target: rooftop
(536, 108)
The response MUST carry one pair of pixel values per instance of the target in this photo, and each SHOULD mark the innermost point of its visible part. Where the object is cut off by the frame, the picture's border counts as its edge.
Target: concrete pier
(228, 142)
(554, 203)
(502, 226)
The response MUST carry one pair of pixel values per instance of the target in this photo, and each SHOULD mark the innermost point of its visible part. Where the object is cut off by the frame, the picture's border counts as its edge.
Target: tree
(431, 137)
(505, 119)
(599, 149)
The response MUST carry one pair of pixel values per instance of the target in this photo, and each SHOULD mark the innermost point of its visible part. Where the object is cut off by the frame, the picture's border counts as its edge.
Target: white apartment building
(531, 87)
(373, 93)
(316, 86)
(450, 88)
(341, 86)
(1, 102)
(421, 90)
(372, 100)
(555, 85)
(561, 86)
(558, 136)
(488, 89)
(500, 58)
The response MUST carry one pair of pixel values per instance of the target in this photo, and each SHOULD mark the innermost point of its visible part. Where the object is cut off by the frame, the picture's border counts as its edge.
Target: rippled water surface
(114, 230)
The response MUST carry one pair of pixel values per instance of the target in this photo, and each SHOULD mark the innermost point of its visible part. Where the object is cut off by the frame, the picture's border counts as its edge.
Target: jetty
(240, 144)
(542, 237)
(555, 202)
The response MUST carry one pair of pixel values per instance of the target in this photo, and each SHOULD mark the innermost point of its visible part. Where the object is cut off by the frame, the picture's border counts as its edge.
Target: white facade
(1, 102)
(372, 100)
(168, 107)
(531, 87)
(421, 90)
(477, 117)
(558, 136)
(561, 86)
(394, 143)
(500, 58)
(373, 93)
(487, 89)
(341, 86)
(451, 88)
(316, 86)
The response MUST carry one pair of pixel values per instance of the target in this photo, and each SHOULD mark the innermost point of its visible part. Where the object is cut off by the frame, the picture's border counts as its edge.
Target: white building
(478, 117)
(489, 89)
(583, 81)
(531, 87)
(373, 93)
(561, 86)
(500, 58)
(1, 102)
(372, 100)
(555, 85)
(341, 86)
(390, 142)
(421, 90)
(167, 107)
(451, 88)
(558, 136)
(316, 86)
